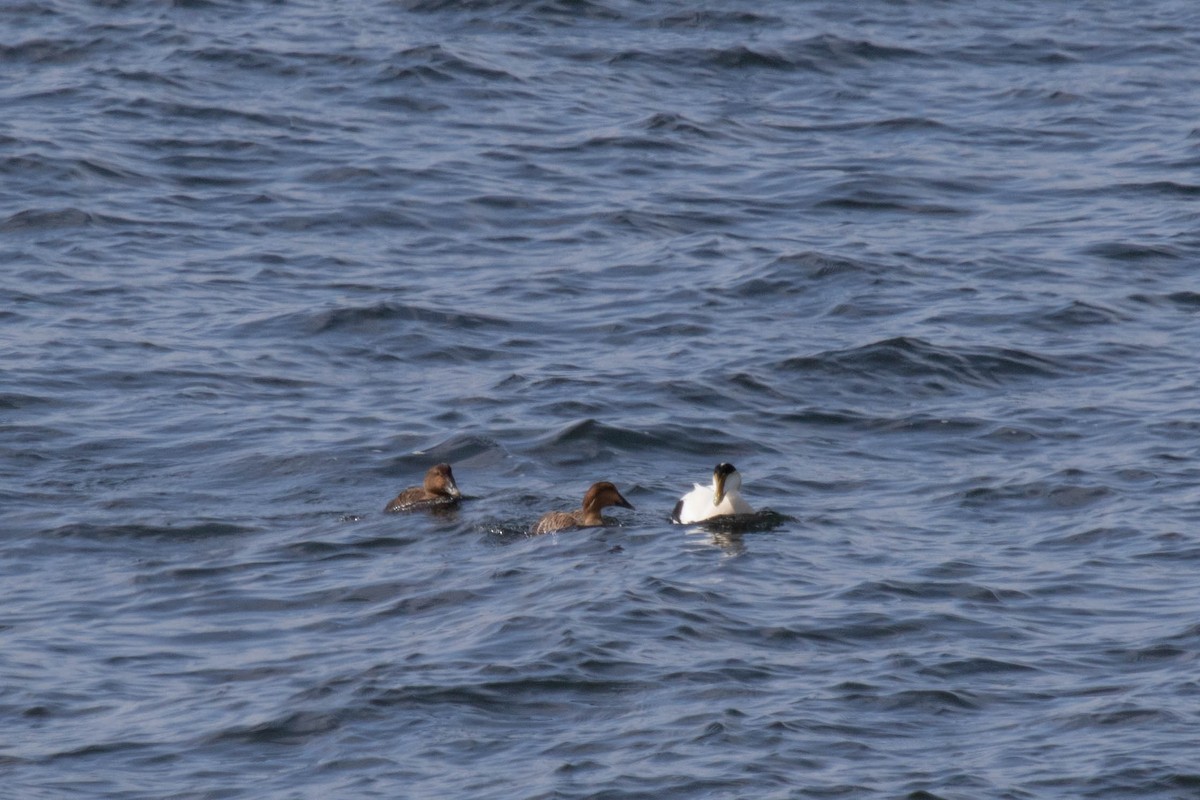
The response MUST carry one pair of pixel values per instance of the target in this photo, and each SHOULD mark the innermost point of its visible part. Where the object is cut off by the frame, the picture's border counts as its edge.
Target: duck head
(601, 495)
(726, 479)
(439, 480)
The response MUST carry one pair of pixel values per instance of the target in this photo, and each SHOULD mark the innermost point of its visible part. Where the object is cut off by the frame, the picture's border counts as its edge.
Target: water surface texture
(925, 272)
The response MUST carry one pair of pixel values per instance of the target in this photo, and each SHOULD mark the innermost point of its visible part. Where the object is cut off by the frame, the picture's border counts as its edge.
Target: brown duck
(600, 495)
(438, 491)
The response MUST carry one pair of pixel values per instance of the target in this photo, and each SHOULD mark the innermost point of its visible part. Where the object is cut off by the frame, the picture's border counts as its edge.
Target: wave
(43, 51)
(1163, 189)
(39, 168)
(999, 49)
(876, 194)
(909, 357)
(17, 401)
(465, 448)
(818, 54)
(196, 530)
(712, 19)
(1078, 314)
(1093, 538)
(293, 727)
(370, 316)
(588, 439)
(581, 9)
(1185, 300)
(36, 220)
(1050, 495)
(390, 317)
(795, 273)
(212, 113)
(932, 590)
(1128, 251)
(970, 667)
(437, 63)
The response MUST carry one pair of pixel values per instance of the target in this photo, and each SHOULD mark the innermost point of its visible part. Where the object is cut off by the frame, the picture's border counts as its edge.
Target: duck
(600, 495)
(721, 499)
(438, 491)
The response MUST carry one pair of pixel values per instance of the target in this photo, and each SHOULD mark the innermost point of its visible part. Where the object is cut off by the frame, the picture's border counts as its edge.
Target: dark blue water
(927, 273)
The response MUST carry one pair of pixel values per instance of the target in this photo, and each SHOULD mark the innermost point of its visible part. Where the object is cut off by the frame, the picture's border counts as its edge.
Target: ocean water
(926, 272)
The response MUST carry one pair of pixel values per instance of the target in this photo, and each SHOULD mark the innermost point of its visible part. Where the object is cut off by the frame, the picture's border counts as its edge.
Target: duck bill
(452, 489)
(623, 503)
(718, 488)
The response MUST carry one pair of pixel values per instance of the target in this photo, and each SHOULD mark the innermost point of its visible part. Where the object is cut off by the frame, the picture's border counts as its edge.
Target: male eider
(721, 499)
(438, 491)
(600, 495)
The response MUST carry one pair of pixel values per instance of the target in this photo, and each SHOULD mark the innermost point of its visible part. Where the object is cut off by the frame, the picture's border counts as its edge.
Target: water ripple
(920, 270)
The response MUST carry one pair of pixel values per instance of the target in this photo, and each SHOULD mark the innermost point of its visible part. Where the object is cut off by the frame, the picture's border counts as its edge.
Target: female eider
(600, 495)
(705, 503)
(438, 491)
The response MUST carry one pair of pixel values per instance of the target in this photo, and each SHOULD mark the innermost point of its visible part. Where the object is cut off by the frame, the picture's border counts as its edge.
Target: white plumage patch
(697, 505)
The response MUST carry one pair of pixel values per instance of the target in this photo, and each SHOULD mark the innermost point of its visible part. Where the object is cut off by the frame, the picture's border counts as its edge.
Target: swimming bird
(438, 491)
(600, 495)
(721, 499)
